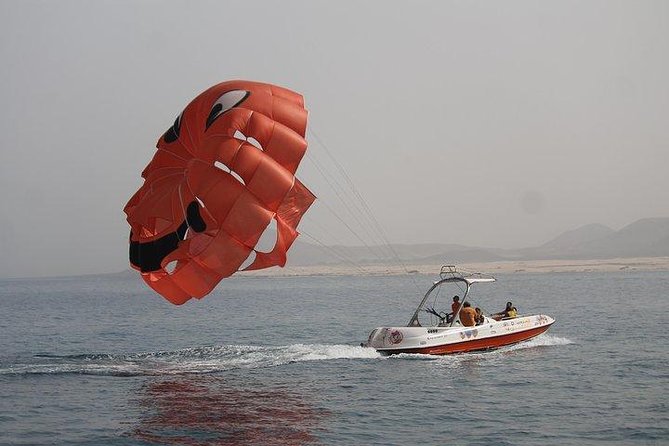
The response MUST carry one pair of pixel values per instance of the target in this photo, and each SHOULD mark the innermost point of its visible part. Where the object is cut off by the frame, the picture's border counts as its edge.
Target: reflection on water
(208, 410)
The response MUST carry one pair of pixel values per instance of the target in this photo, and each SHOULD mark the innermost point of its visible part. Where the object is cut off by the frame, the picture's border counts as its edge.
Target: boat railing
(452, 271)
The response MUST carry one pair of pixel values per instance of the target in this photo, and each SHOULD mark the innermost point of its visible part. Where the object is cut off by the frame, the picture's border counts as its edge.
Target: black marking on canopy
(172, 134)
(149, 255)
(219, 109)
(213, 114)
(193, 217)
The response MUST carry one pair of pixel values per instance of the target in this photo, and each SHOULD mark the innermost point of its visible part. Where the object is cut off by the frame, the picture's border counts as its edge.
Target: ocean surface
(101, 360)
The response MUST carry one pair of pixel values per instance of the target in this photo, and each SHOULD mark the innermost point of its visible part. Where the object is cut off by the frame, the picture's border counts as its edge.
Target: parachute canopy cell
(222, 175)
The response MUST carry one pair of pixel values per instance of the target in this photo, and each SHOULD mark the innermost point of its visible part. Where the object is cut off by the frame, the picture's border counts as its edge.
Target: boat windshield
(437, 310)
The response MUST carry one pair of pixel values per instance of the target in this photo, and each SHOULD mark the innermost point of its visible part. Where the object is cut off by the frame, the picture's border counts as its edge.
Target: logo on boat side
(469, 333)
(396, 337)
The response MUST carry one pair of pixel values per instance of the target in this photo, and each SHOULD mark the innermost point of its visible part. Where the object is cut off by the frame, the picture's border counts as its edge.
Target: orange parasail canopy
(221, 174)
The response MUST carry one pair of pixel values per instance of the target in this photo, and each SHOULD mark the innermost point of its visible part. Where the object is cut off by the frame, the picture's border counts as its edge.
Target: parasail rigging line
(366, 210)
(349, 204)
(344, 202)
(363, 209)
(337, 254)
(330, 249)
(354, 209)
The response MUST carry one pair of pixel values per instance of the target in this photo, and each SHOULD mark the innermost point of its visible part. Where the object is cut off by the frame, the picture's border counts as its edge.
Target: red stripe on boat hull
(475, 344)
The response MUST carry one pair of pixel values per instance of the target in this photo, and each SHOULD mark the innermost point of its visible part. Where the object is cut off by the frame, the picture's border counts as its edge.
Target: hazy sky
(482, 123)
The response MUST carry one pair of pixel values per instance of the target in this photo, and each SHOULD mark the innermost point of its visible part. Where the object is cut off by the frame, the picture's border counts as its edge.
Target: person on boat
(512, 312)
(509, 312)
(467, 315)
(455, 307)
(479, 316)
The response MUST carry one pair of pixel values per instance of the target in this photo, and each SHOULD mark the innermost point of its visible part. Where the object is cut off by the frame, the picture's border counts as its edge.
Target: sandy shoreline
(525, 266)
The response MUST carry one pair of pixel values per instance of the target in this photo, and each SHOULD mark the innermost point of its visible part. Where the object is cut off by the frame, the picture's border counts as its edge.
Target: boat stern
(393, 338)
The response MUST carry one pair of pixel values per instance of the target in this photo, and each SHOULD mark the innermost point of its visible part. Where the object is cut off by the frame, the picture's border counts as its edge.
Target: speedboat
(434, 331)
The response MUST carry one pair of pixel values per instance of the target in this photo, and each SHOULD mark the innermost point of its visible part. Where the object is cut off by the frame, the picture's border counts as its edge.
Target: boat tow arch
(450, 274)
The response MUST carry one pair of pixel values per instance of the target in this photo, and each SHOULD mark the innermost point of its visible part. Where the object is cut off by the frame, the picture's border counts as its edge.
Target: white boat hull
(458, 339)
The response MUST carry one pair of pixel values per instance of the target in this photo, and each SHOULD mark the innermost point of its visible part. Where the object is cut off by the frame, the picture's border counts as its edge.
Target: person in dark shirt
(479, 316)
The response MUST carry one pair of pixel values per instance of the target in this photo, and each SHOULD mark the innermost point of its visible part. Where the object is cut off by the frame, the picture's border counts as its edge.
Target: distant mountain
(576, 237)
(648, 237)
(569, 244)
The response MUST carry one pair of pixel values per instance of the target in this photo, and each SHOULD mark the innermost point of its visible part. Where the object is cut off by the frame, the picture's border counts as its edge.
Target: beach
(516, 266)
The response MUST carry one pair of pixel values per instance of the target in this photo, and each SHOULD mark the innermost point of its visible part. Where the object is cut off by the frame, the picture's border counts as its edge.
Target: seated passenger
(479, 316)
(509, 312)
(467, 315)
(512, 312)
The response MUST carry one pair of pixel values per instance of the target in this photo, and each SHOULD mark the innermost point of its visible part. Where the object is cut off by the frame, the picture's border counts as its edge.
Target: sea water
(101, 360)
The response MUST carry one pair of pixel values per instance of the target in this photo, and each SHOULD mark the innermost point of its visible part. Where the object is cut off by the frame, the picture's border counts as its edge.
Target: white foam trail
(193, 360)
(318, 352)
(214, 359)
(540, 341)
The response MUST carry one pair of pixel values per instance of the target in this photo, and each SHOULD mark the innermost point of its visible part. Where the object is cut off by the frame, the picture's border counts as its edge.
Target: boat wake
(187, 361)
(544, 340)
(213, 359)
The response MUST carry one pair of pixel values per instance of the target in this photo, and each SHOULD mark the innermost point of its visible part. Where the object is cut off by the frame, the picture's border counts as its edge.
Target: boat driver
(455, 307)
